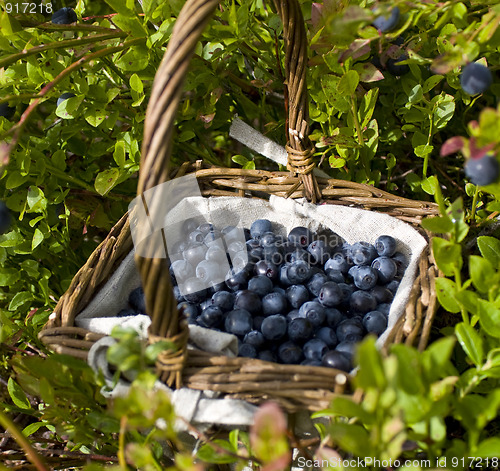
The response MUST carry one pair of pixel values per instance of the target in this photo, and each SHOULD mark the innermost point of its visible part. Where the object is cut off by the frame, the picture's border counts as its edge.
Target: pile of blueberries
(300, 299)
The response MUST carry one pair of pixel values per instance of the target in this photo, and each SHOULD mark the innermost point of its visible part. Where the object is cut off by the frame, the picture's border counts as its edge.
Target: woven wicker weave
(293, 386)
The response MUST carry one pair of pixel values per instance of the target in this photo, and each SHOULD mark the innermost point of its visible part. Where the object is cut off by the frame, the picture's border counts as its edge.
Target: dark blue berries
(387, 21)
(7, 111)
(475, 78)
(64, 16)
(483, 170)
(300, 298)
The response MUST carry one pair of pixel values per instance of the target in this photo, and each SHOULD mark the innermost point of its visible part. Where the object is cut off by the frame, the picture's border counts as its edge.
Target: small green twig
(474, 205)
(12, 58)
(31, 453)
(121, 443)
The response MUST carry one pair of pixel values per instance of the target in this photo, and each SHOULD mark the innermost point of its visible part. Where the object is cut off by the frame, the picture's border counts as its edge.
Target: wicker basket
(293, 386)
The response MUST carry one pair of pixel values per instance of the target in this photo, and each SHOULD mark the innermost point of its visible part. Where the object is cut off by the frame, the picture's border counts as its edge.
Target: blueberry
(482, 171)
(327, 335)
(274, 254)
(216, 254)
(337, 360)
(205, 304)
(297, 295)
(386, 268)
(189, 225)
(224, 300)
(365, 277)
(293, 314)
(260, 227)
(338, 262)
(64, 97)
(394, 67)
(274, 327)
(300, 330)
(300, 236)
(388, 21)
(375, 322)
(392, 286)
(349, 327)
(384, 308)
(7, 111)
(274, 303)
(64, 16)
(5, 218)
(401, 263)
(238, 322)
(316, 282)
(255, 338)
(298, 272)
(347, 348)
(252, 244)
(205, 228)
(247, 350)
(283, 276)
(257, 322)
(335, 275)
(362, 301)
(319, 251)
(196, 237)
(297, 254)
(194, 290)
(213, 238)
(267, 269)
(137, 300)
(475, 78)
(363, 253)
(333, 317)
(315, 349)
(240, 261)
(347, 290)
(126, 313)
(189, 310)
(208, 271)
(330, 294)
(385, 246)
(178, 296)
(382, 294)
(278, 289)
(195, 253)
(314, 312)
(267, 239)
(211, 316)
(248, 300)
(236, 280)
(290, 353)
(261, 285)
(267, 355)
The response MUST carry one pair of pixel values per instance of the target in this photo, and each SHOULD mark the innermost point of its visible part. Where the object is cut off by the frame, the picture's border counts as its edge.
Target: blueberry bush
(403, 95)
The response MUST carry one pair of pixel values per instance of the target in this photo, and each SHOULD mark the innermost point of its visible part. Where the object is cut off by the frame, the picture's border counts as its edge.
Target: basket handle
(157, 144)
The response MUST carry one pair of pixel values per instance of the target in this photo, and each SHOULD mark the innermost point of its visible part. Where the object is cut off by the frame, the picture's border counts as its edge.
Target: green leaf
(488, 448)
(440, 224)
(119, 153)
(19, 299)
(106, 180)
(210, 455)
(471, 342)
(17, 395)
(124, 8)
(68, 109)
(348, 83)
(32, 428)
(134, 60)
(130, 25)
(448, 255)
(490, 249)
(489, 317)
(329, 85)
(468, 299)
(431, 82)
(351, 438)
(481, 273)
(37, 239)
(8, 276)
(136, 89)
(367, 106)
(371, 372)
(15, 179)
(95, 115)
(59, 160)
(446, 290)
(239, 159)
